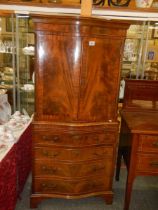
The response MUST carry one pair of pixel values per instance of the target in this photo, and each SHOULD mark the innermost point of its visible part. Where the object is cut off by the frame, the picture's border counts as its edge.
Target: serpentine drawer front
(73, 170)
(78, 154)
(78, 139)
(71, 186)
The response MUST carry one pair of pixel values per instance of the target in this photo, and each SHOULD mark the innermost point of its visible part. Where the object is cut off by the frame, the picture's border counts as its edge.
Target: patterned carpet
(144, 197)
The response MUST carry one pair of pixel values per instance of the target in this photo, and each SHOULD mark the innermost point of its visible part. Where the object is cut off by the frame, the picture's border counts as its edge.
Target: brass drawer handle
(96, 139)
(95, 168)
(46, 137)
(49, 170)
(46, 153)
(48, 186)
(76, 137)
(44, 168)
(55, 154)
(94, 185)
(154, 164)
(155, 144)
(51, 138)
(76, 152)
(96, 154)
(99, 154)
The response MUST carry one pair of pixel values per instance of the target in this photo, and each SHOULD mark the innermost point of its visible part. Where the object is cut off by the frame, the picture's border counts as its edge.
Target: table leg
(129, 185)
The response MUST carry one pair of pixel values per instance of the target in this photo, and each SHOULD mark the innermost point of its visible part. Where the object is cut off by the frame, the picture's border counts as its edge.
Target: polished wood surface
(139, 131)
(143, 141)
(75, 128)
(69, 60)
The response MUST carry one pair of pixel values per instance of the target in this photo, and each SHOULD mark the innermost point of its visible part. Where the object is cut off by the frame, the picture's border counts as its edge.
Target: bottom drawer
(147, 163)
(71, 187)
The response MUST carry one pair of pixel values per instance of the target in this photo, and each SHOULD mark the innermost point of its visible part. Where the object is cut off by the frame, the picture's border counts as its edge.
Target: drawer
(148, 163)
(148, 143)
(73, 139)
(79, 186)
(68, 170)
(78, 154)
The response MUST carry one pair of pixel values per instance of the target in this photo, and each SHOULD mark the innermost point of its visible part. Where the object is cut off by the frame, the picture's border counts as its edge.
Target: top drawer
(148, 143)
(73, 140)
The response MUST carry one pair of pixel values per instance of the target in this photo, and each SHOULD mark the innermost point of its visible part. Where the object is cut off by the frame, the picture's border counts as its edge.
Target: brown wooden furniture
(75, 128)
(139, 132)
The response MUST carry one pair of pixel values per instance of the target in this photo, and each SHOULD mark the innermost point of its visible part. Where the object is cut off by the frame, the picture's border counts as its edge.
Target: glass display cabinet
(7, 59)
(140, 60)
(17, 61)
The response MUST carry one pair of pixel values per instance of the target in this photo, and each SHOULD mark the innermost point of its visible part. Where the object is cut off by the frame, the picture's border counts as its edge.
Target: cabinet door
(58, 69)
(99, 79)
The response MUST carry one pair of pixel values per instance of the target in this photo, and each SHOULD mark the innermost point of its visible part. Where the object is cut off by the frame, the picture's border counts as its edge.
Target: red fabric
(14, 170)
(24, 158)
(8, 181)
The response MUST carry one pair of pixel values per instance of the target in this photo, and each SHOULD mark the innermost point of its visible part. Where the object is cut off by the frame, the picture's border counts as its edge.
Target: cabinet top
(80, 20)
(79, 26)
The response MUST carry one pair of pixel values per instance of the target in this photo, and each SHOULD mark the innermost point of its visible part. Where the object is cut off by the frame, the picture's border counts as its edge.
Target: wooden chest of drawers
(75, 163)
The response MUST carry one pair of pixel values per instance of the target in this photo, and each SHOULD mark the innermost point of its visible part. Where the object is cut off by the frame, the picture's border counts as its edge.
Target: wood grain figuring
(61, 80)
(75, 128)
(73, 139)
(98, 79)
(72, 170)
(49, 186)
(82, 154)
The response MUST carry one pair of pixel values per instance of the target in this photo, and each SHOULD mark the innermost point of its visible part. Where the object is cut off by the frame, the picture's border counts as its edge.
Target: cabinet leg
(108, 198)
(34, 201)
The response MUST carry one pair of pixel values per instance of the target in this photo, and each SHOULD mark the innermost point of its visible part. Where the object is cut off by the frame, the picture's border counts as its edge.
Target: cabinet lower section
(73, 161)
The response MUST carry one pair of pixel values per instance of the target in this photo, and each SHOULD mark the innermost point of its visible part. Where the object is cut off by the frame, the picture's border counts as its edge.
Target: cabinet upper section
(77, 68)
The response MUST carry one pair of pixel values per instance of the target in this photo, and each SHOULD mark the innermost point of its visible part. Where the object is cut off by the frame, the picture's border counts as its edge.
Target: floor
(144, 197)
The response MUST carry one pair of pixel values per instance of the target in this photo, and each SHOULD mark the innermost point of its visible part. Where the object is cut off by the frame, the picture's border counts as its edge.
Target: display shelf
(76, 4)
(74, 7)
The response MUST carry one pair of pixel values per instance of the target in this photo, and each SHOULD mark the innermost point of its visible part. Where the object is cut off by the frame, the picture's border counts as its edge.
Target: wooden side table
(141, 130)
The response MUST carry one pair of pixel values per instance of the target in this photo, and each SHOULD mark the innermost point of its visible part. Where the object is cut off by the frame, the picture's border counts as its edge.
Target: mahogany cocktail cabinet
(75, 127)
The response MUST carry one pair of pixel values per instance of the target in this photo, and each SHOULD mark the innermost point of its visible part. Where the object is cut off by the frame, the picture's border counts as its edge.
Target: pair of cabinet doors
(78, 77)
